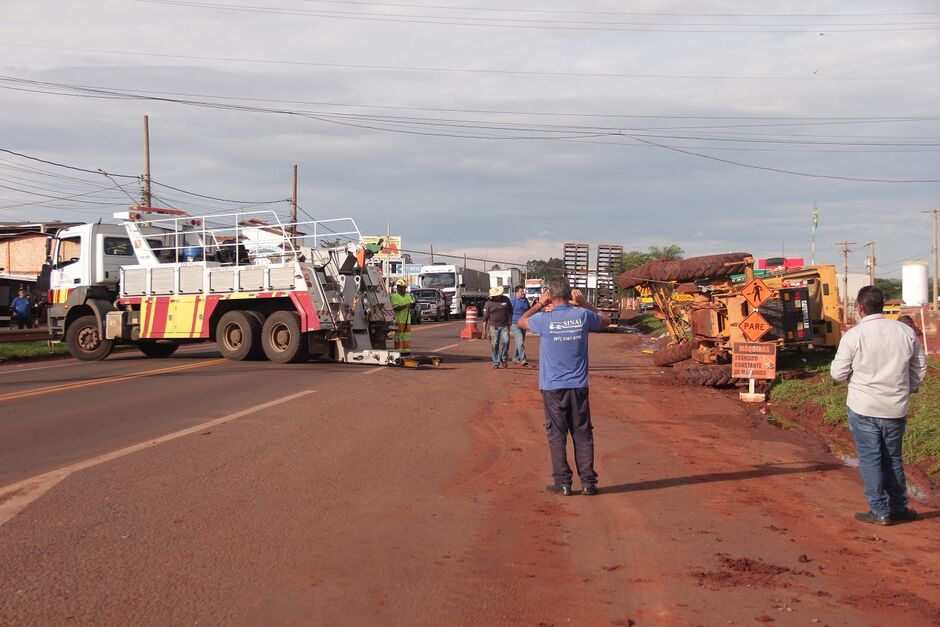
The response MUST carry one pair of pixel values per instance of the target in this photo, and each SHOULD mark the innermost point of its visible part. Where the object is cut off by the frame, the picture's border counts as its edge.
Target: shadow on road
(762, 470)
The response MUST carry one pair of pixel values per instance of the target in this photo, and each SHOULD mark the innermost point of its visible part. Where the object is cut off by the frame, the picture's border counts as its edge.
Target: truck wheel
(85, 340)
(238, 335)
(674, 354)
(713, 375)
(257, 352)
(157, 349)
(282, 340)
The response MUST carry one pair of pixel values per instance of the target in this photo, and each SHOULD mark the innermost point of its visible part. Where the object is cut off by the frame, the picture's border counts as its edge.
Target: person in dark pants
(563, 379)
(497, 317)
(22, 310)
(884, 364)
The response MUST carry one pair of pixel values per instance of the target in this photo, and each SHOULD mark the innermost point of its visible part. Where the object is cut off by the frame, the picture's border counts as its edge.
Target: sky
(492, 131)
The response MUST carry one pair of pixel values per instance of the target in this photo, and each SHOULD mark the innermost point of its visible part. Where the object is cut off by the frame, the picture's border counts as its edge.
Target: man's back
(563, 346)
(883, 362)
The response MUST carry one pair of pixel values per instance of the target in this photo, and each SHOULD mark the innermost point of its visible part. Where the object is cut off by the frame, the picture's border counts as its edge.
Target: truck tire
(282, 340)
(238, 335)
(157, 349)
(713, 375)
(85, 340)
(674, 354)
(685, 270)
(257, 352)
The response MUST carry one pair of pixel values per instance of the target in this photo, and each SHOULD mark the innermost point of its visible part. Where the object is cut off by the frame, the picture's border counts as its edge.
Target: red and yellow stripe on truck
(58, 296)
(188, 316)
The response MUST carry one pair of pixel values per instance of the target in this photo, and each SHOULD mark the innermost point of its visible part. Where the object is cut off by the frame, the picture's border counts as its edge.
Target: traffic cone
(470, 330)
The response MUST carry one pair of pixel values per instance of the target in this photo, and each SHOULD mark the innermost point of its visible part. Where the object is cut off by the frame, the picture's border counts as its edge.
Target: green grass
(648, 323)
(19, 351)
(922, 437)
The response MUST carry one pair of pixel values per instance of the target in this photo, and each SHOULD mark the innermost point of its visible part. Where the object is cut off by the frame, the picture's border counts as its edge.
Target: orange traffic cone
(470, 330)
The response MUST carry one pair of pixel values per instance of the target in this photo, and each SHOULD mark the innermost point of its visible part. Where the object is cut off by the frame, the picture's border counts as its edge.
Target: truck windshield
(425, 294)
(438, 279)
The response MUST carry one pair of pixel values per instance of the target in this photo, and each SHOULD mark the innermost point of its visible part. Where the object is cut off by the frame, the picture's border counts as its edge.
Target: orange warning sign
(756, 292)
(754, 327)
(754, 360)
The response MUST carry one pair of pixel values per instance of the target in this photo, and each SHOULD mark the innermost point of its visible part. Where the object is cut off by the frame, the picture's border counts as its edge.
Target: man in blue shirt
(520, 305)
(22, 310)
(563, 379)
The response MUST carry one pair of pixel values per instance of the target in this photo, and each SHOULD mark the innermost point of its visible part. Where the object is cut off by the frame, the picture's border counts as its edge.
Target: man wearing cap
(497, 316)
(402, 304)
(563, 379)
(22, 310)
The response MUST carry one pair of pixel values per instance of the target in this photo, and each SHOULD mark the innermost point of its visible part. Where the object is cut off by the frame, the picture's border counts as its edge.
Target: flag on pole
(815, 217)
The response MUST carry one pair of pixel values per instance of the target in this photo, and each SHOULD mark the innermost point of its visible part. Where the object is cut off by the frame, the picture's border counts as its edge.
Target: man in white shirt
(884, 364)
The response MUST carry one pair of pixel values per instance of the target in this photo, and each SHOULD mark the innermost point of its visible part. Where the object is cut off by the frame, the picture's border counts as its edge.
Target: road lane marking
(77, 362)
(423, 326)
(444, 348)
(16, 496)
(374, 370)
(12, 396)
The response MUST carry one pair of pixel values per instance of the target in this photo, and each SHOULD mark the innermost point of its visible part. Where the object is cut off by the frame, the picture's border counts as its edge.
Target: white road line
(76, 362)
(444, 348)
(16, 496)
(374, 370)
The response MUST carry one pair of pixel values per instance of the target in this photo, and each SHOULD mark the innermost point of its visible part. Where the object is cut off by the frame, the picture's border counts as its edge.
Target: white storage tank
(914, 283)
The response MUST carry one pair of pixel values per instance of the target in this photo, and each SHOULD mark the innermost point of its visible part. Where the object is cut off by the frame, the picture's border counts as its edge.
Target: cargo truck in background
(164, 278)
(533, 288)
(508, 279)
(462, 286)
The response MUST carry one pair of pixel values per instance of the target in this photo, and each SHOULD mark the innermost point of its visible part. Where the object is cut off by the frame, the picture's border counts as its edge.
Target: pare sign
(754, 360)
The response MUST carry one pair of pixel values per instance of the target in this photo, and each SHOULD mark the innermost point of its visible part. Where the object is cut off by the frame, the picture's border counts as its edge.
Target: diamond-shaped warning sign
(756, 292)
(754, 327)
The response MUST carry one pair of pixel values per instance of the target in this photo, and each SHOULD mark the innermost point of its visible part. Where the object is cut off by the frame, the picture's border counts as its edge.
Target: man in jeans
(497, 316)
(883, 363)
(520, 305)
(563, 379)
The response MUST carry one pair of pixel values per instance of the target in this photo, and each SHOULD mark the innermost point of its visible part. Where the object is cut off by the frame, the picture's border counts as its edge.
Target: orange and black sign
(754, 327)
(756, 292)
(754, 360)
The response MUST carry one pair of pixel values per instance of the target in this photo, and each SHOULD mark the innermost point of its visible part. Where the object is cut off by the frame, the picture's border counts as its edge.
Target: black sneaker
(561, 490)
(907, 515)
(588, 490)
(873, 519)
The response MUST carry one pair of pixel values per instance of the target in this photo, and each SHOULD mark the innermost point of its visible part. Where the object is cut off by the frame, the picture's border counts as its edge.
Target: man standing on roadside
(520, 305)
(22, 310)
(402, 304)
(563, 379)
(497, 316)
(883, 363)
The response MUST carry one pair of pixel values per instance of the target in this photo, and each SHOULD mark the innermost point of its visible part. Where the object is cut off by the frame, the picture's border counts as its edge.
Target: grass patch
(922, 437)
(18, 351)
(648, 323)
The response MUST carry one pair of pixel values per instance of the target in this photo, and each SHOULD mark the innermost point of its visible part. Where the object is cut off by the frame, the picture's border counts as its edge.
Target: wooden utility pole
(432, 254)
(871, 263)
(293, 203)
(146, 198)
(933, 303)
(845, 279)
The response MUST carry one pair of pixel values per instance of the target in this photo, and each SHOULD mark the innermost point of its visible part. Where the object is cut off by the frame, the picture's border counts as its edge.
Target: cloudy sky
(493, 131)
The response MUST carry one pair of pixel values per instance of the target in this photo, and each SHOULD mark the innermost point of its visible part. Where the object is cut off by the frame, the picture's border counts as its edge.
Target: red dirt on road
(432, 509)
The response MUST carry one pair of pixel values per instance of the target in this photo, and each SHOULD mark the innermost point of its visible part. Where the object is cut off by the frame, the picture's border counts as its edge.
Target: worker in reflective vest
(403, 303)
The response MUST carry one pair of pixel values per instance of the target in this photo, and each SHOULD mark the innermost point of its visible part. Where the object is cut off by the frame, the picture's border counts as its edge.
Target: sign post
(752, 361)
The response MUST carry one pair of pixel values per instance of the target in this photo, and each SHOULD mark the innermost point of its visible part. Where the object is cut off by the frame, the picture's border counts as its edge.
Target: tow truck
(245, 280)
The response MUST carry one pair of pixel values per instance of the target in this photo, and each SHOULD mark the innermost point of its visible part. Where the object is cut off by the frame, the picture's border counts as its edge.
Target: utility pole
(845, 279)
(293, 203)
(145, 195)
(432, 254)
(870, 262)
(933, 303)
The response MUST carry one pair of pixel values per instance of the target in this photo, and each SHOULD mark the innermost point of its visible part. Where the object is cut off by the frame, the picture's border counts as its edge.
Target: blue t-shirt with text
(563, 346)
(519, 307)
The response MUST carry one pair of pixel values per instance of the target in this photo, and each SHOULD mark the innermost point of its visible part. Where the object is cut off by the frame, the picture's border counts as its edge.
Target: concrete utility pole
(933, 303)
(845, 279)
(432, 254)
(146, 198)
(293, 203)
(870, 262)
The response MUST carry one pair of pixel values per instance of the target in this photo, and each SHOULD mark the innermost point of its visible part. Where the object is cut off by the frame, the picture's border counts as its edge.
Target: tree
(635, 258)
(890, 287)
(541, 269)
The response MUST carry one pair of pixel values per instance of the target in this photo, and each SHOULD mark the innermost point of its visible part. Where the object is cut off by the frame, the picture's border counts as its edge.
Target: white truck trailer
(508, 279)
(464, 286)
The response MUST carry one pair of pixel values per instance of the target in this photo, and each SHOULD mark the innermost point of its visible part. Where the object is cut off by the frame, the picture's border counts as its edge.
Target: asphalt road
(62, 411)
(244, 493)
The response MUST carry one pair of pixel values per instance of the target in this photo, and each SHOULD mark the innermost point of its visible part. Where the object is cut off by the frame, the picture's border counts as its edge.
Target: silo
(914, 283)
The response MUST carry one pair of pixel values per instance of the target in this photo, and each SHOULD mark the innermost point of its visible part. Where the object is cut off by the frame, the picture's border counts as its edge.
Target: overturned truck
(702, 304)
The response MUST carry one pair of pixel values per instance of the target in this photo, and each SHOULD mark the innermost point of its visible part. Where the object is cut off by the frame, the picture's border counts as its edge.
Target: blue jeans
(878, 444)
(518, 335)
(499, 338)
